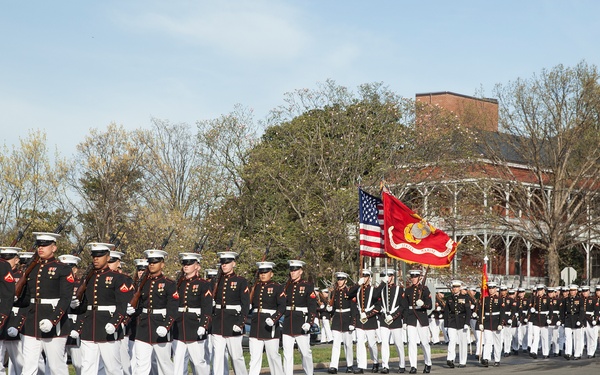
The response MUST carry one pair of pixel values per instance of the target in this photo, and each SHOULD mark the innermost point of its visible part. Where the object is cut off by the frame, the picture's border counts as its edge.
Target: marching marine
(268, 306)
(340, 307)
(392, 312)
(417, 301)
(457, 313)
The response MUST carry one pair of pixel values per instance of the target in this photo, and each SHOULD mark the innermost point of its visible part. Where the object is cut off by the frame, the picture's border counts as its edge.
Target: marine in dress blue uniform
(300, 312)
(73, 344)
(392, 313)
(342, 323)
(9, 335)
(417, 300)
(457, 313)
(573, 317)
(492, 310)
(268, 306)
(156, 312)
(47, 294)
(194, 316)
(232, 304)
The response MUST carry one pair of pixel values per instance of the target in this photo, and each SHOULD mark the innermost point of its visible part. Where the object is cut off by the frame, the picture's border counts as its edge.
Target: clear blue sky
(68, 66)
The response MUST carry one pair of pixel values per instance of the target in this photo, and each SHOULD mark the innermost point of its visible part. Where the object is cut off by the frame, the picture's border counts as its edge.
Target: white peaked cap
(69, 259)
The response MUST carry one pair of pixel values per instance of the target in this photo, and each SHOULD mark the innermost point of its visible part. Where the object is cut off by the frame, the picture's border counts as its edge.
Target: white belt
(494, 313)
(193, 310)
(230, 307)
(15, 310)
(111, 308)
(73, 317)
(45, 301)
(296, 308)
(155, 311)
(544, 312)
(343, 310)
(589, 312)
(264, 311)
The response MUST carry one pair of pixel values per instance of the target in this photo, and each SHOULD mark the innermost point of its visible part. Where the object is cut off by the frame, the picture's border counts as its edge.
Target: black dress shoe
(332, 370)
(484, 362)
(477, 357)
(506, 355)
(462, 366)
(515, 352)
(567, 357)
(413, 370)
(427, 369)
(545, 357)
(533, 355)
(375, 367)
(359, 371)
(576, 358)
(496, 364)
(385, 370)
(450, 364)
(349, 370)
(401, 370)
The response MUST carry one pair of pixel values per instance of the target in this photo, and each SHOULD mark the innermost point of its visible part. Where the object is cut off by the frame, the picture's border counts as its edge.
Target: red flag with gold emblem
(484, 283)
(410, 238)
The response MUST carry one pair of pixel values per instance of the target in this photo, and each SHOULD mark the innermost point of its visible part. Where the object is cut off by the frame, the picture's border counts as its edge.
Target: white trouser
(56, 355)
(477, 335)
(145, 353)
(573, 337)
(92, 352)
(303, 342)
(435, 331)
(507, 336)
(492, 338)
(76, 358)
(539, 334)
(131, 352)
(458, 336)
(124, 354)
(386, 336)
(522, 335)
(553, 337)
(365, 337)
(529, 334)
(326, 334)
(15, 364)
(561, 337)
(210, 352)
(591, 336)
(197, 355)
(514, 331)
(271, 348)
(416, 334)
(234, 347)
(340, 337)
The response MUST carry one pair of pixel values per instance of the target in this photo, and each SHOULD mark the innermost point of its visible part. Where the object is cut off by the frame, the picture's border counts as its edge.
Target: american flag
(370, 217)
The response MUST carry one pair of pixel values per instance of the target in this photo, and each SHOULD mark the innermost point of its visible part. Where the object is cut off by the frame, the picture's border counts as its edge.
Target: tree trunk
(553, 265)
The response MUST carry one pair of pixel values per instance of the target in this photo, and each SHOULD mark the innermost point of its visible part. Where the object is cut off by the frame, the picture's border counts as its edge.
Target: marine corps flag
(410, 238)
(485, 291)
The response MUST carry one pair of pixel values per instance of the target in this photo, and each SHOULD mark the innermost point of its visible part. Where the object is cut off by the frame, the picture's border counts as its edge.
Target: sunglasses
(141, 268)
(96, 254)
(113, 260)
(294, 268)
(264, 270)
(44, 243)
(154, 260)
(187, 262)
(226, 260)
(341, 278)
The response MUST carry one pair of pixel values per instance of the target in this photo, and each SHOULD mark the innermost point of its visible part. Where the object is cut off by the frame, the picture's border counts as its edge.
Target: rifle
(142, 281)
(220, 272)
(256, 273)
(35, 259)
(19, 234)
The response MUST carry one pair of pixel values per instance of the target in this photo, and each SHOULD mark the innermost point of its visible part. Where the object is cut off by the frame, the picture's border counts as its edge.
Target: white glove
(238, 309)
(404, 325)
(481, 327)
(329, 308)
(509, 321)
(45, 325)
(110, 329)
(12, 331)
(532, 309)
(322, 306)
(500, 327)
(474, 315)
(161, 331)
(306, 327)
(363, 315)
(350, 327)
(558, 323)
(517, 315)
(75, 303)
(419, 303)
(578, 324)
(466, 327)
(130, 310)
(385, 279)
(74, 334)
(525, 320)
(201, 331)
(237, 329)
(548, 321)
(472, 307)
(388, 319)
(361, 281)
(594, 322)
(438, 308)
(270, 322)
